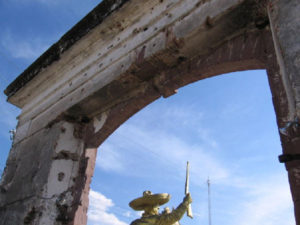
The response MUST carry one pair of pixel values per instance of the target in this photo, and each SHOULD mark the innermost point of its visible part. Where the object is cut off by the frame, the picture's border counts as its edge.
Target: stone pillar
(285, 25)
(44, 177)
(81, 213)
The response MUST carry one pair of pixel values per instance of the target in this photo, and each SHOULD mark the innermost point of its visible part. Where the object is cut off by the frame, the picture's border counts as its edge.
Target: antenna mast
(209, 203)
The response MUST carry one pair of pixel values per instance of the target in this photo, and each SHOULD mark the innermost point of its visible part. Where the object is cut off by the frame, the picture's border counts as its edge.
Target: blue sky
(225, 126)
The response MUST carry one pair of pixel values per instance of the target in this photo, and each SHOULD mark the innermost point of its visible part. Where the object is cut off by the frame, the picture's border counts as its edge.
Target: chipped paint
(99, 121)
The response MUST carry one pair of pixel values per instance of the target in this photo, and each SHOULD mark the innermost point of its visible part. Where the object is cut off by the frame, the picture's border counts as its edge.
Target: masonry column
(285, 25)
(44, 177)
(80, 217)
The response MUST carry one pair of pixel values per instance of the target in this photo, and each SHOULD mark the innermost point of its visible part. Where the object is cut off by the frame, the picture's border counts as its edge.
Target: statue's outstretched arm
(176, 214)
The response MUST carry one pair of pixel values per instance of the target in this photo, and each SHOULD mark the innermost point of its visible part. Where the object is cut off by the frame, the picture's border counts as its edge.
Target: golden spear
(189, 212)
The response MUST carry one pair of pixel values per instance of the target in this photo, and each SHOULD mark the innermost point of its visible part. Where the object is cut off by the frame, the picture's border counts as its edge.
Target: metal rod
(209, 203)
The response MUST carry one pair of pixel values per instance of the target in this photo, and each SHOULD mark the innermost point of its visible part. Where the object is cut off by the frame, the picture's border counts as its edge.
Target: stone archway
(111, 65)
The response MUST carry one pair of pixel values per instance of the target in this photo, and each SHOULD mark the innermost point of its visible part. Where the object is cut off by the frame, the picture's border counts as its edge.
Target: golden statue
(150, 203)
(167, 211)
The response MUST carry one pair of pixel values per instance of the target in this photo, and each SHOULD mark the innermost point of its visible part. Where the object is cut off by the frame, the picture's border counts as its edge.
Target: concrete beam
(156, 36)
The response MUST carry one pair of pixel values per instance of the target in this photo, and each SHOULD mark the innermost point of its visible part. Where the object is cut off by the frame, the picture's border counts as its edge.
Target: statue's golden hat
(149, 199)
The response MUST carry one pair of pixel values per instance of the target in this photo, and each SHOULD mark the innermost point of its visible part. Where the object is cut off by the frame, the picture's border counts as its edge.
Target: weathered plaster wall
(31, 161)
(40, 179)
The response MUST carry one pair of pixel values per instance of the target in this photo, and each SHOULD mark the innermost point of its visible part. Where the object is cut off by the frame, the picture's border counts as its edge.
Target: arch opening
(225, 127)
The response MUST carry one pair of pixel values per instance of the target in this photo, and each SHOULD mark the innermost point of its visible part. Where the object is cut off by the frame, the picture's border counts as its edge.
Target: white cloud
(143, 141)
(98, 213)
(75, 8)
(8, 116)
(109, 159)
(127, 214)
(268, 202)
(47, 2)
(233, 109)
(205, 135)
(133, 146)
(22, 48)
(173, 117)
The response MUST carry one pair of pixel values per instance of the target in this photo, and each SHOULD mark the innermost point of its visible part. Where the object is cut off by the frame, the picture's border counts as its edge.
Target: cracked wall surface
(47, 163)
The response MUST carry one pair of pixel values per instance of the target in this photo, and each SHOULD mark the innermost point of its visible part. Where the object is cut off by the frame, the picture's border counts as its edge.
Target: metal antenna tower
(209, 203)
